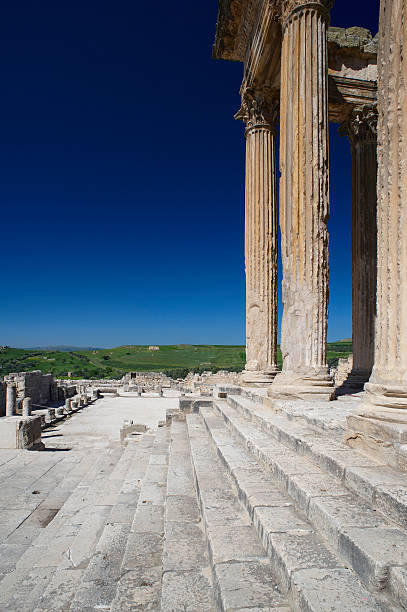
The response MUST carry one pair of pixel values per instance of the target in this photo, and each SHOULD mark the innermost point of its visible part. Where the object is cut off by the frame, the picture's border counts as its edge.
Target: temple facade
(298, 75)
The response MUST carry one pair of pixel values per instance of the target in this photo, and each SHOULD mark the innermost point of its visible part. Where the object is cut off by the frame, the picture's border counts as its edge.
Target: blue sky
(122, 177)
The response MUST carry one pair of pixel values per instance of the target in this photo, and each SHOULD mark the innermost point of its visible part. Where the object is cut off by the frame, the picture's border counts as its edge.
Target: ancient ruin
(303, 73)
(260, 490)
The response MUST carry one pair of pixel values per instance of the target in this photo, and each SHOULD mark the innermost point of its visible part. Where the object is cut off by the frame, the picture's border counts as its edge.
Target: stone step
(242, 573)
(187, 583)
(66, 543)
(380, 486)
(98, 584)
(300, 556)
(140, 581)
(32, 509)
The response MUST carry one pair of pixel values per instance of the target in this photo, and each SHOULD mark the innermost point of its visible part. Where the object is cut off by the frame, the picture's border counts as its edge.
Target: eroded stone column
(381, 425)
(304, 201)
(260, 113)
(11, 399)
(27, 406)
(362, 131)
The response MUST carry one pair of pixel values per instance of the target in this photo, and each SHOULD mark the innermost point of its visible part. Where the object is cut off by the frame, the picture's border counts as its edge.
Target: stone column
(260, 113)
(362, 131)
(380, 425)
(27, 406)
(11, 399)
(304, 201)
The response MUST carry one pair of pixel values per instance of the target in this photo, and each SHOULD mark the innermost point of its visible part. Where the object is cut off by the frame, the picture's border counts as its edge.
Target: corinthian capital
(259, 107)
(288, 7)
(362, 124)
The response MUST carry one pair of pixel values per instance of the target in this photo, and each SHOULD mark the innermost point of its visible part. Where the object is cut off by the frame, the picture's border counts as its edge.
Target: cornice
(230, 16)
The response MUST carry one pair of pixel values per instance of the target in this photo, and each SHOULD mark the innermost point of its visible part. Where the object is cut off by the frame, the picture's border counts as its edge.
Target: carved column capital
(260, 107)
(361, 126)
(290, 7)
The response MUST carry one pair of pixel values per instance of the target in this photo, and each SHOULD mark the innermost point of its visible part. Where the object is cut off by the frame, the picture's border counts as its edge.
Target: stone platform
(233, 506)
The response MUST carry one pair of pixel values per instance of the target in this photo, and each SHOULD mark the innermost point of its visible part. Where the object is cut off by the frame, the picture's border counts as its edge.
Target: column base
(292, 385)
(256, 378)
(386, 395)
(379, 428)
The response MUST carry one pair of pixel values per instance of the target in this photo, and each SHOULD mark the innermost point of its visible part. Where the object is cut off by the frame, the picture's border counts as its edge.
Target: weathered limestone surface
(304, 201)
(362, 130)
(259, 111)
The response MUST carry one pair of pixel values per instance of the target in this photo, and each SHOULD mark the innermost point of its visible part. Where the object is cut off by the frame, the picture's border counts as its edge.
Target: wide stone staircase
(234, 507)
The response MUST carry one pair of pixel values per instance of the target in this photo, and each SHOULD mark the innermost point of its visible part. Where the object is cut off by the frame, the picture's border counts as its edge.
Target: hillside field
(175, 360)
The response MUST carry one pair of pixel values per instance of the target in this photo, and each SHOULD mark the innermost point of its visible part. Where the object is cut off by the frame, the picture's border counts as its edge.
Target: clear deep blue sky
(122, 176)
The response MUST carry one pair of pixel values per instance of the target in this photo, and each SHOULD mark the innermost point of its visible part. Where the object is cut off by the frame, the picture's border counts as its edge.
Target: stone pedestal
(362, 131)
(304, 201)
(50, 415)
(260, 113)
(21, 432)
(381, 423)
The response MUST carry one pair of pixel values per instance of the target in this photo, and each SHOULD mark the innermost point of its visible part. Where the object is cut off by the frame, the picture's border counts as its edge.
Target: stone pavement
(99, 424)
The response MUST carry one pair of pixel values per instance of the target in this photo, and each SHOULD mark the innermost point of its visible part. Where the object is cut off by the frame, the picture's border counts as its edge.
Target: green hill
(176, 360)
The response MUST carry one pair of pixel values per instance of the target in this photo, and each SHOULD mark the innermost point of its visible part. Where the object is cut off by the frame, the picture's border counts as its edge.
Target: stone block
(290, 552)
(149, 519)
(20, 432)
(234, 543)
(364, 480)
(371, 551)
(138, 589)
(193, 587)
(398, 585)
(221, 507)
(185, 547)
(392, 501)
(341, 592)
(306, 486)
(331, 515)
(182, 507)
(144, 550)
(247, 585)
(277, 520)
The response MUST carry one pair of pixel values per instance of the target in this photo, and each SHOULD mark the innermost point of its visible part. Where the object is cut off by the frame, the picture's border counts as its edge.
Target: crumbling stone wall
(42, 388)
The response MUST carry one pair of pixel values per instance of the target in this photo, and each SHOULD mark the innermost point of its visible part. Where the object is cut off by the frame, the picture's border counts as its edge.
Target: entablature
(249, 31)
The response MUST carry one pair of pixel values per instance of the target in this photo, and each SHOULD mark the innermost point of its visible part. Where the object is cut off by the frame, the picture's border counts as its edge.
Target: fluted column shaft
(260, 112)
(304, 199)
(388, 384)
(362, 131)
